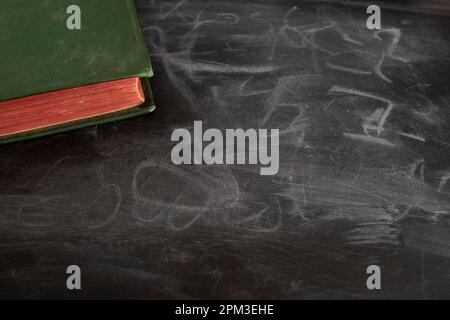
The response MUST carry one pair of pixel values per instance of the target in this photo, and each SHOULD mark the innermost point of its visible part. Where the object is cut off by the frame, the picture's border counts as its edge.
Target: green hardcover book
(67, 64)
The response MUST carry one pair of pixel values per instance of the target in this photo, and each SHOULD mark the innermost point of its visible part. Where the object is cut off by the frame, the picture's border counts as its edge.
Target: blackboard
(364, 172)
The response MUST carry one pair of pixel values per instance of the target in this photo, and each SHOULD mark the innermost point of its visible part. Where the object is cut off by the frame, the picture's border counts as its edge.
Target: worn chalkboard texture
(364, 179)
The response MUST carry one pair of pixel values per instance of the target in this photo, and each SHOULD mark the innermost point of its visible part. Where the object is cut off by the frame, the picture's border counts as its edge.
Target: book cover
(39, 53)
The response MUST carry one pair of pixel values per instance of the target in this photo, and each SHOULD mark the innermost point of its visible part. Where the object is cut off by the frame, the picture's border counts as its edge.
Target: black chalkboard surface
(364, 177)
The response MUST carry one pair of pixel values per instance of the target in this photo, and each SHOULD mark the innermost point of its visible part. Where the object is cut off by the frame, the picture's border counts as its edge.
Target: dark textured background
(109, 199)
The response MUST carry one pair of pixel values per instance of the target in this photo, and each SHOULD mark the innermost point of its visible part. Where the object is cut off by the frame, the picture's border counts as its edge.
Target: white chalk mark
(346, 69)
(379, 127)
(173, 10)
(369, 139)
(412, 136)
(444, 181)
(118, 194)
(377, 69)
(216, 67)
(396, 36)
(418, 165)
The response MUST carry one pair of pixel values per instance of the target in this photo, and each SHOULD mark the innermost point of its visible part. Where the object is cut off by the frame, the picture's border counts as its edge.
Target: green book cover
(39, 53)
